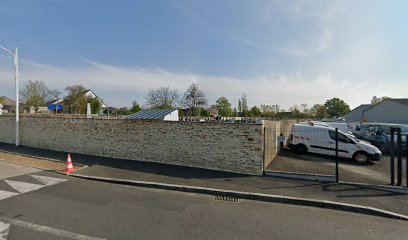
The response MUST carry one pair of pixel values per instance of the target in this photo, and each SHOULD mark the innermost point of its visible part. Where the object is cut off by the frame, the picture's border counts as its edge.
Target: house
(394, 110)
(90, 93)
(357, 113)
(9, 105)
(86, 93)
(161, 114)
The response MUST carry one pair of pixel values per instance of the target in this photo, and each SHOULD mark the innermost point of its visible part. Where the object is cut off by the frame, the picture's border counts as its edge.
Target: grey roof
(362, 107)
(151, 114)
(403, 101)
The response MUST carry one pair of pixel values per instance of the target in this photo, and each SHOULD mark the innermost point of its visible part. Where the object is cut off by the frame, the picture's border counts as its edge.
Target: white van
(342, 126)
(321, 140)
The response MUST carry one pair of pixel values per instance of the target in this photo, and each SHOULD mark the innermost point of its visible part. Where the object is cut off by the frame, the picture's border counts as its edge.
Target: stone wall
(222, 146)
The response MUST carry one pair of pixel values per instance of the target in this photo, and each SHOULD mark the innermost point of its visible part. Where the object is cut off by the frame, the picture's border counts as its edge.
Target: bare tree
(162, 98)
(35, 93)
(194, 99)
(55, 94)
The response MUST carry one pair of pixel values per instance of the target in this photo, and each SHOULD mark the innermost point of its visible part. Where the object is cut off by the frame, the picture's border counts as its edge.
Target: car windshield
(387, 129)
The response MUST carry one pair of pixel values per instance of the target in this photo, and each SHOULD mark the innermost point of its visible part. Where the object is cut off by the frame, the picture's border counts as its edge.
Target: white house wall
(173, 116)
(92, 95)
(387, 112)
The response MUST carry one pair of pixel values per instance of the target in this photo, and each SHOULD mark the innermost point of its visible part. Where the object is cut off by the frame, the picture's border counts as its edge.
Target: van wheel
(360, 157)
(301, 148)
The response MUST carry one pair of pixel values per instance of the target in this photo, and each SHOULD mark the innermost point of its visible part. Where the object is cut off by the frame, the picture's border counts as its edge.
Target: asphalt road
(375, 172)
(79, 209)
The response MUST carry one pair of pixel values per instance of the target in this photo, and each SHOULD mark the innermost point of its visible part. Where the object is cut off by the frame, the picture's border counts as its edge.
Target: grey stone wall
(7, 130)
(221, 146)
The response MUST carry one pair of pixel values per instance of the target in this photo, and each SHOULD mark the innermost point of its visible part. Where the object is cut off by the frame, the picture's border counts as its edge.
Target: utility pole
(15, 56)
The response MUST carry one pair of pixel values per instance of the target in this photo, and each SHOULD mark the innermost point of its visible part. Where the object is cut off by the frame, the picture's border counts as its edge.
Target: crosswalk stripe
(23, 187)
(6, 194)
(48, 180)
(4, 230)
(49, 230)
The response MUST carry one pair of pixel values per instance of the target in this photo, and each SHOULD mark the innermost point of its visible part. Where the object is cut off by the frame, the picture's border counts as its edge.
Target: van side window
(342, 137)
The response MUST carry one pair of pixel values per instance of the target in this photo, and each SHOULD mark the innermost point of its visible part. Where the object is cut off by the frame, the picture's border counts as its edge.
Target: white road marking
(4, 230)
(6, 194)
(48, 180)
(23, 187)
(49, 230)
(9, 170)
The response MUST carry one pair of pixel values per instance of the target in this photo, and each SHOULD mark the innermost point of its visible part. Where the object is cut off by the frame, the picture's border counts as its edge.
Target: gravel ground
(34, 162)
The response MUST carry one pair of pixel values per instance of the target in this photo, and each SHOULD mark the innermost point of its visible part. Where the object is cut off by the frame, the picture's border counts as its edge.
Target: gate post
(337, 155)
(392, 152)
(399, 157)
(406, 160)
(264, 151)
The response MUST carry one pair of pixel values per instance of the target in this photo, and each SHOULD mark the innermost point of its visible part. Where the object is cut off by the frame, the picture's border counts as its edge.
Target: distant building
(357, 114)
(87, 93)
(161, 114)
(90, 93)
(394, 110)
(9, 105)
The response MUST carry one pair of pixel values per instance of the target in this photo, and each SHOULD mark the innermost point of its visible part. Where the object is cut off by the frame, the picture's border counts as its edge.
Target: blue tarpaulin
(54, 106)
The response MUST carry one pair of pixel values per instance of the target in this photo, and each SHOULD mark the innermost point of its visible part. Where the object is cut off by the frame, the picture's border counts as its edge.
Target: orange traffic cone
(69, 168)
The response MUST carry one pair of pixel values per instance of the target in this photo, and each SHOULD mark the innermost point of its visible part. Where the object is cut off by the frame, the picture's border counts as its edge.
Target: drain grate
(226, 199)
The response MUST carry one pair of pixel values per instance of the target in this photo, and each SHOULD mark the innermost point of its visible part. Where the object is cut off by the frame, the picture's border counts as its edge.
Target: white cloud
(119, 86)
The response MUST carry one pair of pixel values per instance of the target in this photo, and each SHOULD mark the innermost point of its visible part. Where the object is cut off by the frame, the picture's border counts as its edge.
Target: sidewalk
(386, 199)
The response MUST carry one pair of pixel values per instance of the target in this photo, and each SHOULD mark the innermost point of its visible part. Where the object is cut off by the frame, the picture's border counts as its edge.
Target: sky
(275, 51)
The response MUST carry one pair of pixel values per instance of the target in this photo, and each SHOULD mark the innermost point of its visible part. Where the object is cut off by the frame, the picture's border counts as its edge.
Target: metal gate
(391, 169)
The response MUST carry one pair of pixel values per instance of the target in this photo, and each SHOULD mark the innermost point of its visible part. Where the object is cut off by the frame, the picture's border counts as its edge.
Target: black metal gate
(391, 169)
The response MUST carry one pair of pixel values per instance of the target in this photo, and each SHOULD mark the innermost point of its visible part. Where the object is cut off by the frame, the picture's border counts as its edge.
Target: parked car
(321, 140)
(379, 134)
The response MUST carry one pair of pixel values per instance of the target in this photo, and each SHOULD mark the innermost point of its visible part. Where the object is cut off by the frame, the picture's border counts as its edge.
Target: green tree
(337, 107)
(319, 111)
(35, 93)
(121, 111)
(376, 100)
(255, 111)
(296, 113)
(204, 112)
(135, 108)
(269, 110)
(239, 106)
(95, 103)
(305, 110)
(76, 100)
(244, 106)
(194, 99)
(224, 107)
